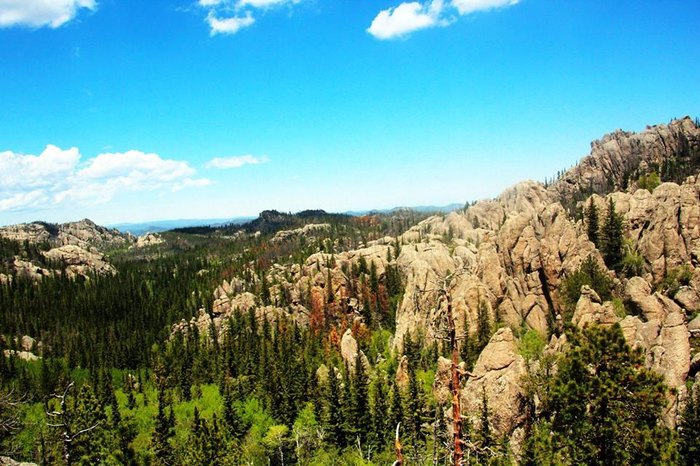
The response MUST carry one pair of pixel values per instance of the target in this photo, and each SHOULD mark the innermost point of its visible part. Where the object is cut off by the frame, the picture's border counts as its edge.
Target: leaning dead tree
(444, 286)
(397, 448)
(64, 419)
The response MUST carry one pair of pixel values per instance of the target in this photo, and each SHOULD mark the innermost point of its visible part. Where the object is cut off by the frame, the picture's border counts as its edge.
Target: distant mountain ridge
(157, 226)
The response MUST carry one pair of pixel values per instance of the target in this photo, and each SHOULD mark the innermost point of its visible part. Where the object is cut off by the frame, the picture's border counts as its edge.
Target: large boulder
(590, 310)
(498, 374)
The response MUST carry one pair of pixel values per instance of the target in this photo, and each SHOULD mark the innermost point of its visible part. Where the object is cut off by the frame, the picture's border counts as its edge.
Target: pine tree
(689, 429)
(605, 406)
(334, 412)
(612, 239)
(592, 223)
(484, 321)
(381, 429)
(485, 425)
(361, 416)
(414, 406)
(234, 423)
(396, 410)
(163, 432)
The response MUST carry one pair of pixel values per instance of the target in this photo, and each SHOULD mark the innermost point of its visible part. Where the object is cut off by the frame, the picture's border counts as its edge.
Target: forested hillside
(556, 324)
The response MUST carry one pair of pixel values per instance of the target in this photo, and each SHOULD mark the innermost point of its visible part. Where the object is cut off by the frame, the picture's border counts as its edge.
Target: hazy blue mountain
(156, 226)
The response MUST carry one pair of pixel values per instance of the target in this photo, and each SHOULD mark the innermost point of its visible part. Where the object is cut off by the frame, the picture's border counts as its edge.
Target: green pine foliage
(592, 223)
(590, 274)
(689, 429)
(605, 407)
(611, 241)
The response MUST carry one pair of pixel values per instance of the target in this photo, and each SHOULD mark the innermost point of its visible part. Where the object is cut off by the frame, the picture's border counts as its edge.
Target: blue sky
(132, 110)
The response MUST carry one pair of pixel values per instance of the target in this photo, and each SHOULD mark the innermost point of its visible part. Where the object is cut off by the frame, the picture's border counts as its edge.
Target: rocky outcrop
(84, 233)
(590, 310)
(73, 248)
(23, 355)
(7, 461)
(26, 269)
(310, 230)
(616, 156)
(76, 261)
(498, 375)
(349, 350)
(149, 239)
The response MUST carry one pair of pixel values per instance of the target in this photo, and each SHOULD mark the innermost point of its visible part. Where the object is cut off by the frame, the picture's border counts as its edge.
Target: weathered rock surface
(74, 247)
(28, 270)
(618, 154)
(306, 231)
(149, 239)
(7, 461)
(84, 233)
(590, 310)
(79, 262)
(498, 374)
(23, 355)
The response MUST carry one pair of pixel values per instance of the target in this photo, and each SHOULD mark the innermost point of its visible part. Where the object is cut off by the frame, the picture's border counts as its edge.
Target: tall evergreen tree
(381, 428)
(605, 406)
(396, 406)
(484, 321)
(612, 239)
(162, 448)
(689, 429)
(361, 415)
(414, 406)
(334, 410)
(592, 223)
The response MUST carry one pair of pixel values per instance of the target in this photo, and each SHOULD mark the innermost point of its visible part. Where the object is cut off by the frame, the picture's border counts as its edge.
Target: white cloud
(135, 163)
(236, 161)
(228, 25)
(38, 13)
(409, 17)
(191, 183)
(466, 7)
(24, 171)
(405, 19)
(264, 3)
(57, 176)
(230, 16)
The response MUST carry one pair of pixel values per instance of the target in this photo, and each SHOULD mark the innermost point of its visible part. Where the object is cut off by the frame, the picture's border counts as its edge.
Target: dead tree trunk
(454, 385)
(64, 416)
(397, 448)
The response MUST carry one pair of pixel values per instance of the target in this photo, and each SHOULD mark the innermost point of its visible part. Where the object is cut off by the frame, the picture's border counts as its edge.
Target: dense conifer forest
(115, 383)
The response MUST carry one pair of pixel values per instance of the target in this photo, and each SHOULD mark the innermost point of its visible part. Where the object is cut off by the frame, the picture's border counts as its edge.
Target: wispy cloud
(236, 161)
(230, 16)
(228, 25)
(56, 176)
(408, 17)
(40, 13)
(465, 7)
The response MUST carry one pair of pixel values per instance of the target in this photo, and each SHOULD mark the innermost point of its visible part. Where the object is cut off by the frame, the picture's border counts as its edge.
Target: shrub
(649, 181)
(591, 274)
